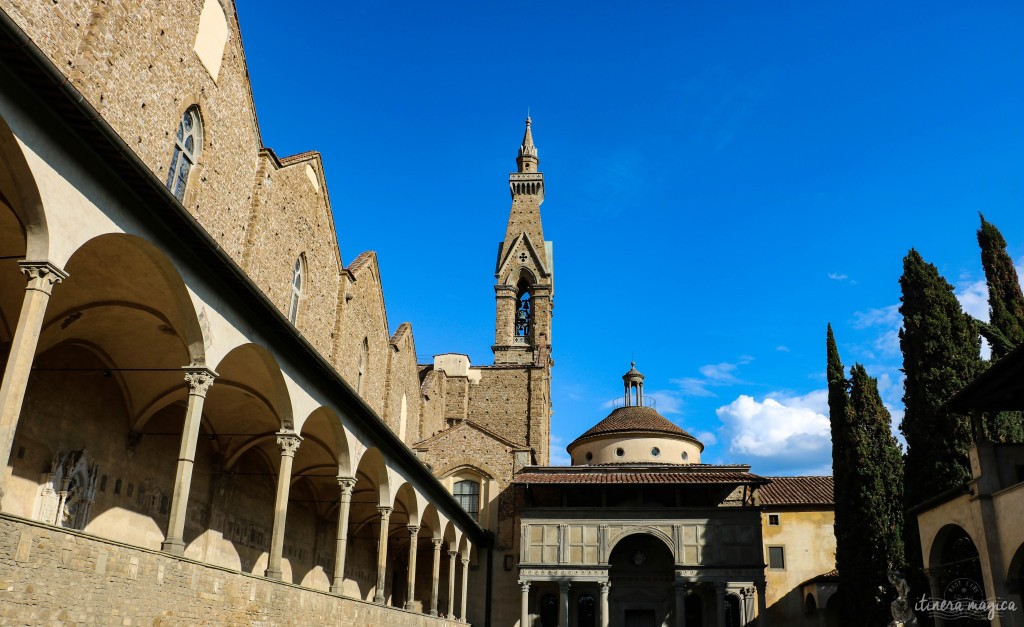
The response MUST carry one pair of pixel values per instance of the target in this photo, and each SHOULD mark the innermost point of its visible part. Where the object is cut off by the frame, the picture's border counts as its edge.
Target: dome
(634, 434)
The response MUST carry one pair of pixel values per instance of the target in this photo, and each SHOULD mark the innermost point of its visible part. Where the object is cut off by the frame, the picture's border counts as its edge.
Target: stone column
(451, 583)
(605, 616)
(465, 587)
(347, 484)
(720, 603)
(414, 531)
(42, 276)
(435, 581)
(746, 607)
(935, 587)
(199, 381)
(680, 604)
(288, 442)
(563, 603)
(524, 603)
(382, 553)
(762, 604)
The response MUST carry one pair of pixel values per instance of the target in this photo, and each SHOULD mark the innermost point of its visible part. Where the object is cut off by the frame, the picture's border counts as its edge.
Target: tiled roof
(645, 474)
(829, 577)
(798, 491)
(634, 419)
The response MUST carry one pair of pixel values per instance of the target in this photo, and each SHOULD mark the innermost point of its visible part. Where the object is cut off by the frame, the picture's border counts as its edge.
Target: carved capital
(42, 275)
(199, 379)
(385, 512)
(438, 543)
(288, 442)
(347, 484)
(605, 586)
(465, 562)
(524, 585)
(452, 554)
(414, 530)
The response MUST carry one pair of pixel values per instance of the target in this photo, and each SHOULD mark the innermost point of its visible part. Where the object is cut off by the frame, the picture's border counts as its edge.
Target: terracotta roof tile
(798, 491)
(700, 474)
(634, 419)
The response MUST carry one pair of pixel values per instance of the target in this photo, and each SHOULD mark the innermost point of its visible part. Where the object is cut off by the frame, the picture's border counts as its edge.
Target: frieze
(528, 573)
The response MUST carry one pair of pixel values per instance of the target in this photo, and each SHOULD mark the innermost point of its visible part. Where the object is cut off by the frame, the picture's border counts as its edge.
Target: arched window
(524, 309)
(297, 279)
(467, 493)
(187, 144)
(364, 357)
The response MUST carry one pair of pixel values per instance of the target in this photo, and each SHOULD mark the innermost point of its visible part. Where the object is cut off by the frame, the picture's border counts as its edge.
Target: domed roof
(635, 419)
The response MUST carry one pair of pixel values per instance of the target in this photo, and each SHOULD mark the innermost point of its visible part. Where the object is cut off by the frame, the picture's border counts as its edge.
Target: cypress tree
(1005, 329)
(874, 530)
(839, 421)
(941, 346)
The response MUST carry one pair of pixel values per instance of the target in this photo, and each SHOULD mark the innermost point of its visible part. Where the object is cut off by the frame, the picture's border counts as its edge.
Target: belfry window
(364, 357)
(467, 493)
(187, 143)
(297, 279)
(524, 310)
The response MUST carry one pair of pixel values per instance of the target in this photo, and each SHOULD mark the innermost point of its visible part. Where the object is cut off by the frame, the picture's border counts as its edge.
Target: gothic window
(524, 309)
(364, 357)
(467, 493)
(187, 143)
(297, 279)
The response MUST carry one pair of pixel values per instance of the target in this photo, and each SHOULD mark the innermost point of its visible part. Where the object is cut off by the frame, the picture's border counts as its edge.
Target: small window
(776, 557)
(297, 278)
(467, 493)
(619, 452)
(655, 451)
(364, 357)
(773, 520)
(103, 483)
(117, 487)
(21, 452)
(589, 456)
(686, 456)
(187, 143)
(131, 490)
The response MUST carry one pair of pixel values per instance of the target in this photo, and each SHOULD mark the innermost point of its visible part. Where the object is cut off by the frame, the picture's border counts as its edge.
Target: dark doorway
(732, 610)
(639, 618)
(549, 610)
(585, 616)
(694, 611)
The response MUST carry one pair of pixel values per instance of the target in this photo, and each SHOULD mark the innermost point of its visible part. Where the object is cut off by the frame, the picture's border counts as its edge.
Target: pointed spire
(528, 149)
(527, 159)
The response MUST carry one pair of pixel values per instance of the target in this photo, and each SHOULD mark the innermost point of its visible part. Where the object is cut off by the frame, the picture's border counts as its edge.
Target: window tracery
(187, 144)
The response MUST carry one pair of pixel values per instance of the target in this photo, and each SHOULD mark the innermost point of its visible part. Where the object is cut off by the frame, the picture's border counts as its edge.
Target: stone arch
(19, 191)
(953, 555)
(253, 366)
(631, 531)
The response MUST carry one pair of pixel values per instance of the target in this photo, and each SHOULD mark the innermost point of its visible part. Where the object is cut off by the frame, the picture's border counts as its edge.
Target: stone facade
(115, 583)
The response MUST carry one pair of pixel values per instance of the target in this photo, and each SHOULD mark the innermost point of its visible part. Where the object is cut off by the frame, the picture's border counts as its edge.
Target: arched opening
(467, 493)
(732, 610)
(955, 557)
(524, 309)
(110, 352)
(1015, 577)
(298, 278)
(642, 582)
(364, 363)
(372, 491)
(586, 611)
(548, 610)
(405, 515)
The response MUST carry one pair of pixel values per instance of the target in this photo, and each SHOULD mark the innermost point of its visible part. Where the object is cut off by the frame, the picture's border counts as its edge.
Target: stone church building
(207, 418)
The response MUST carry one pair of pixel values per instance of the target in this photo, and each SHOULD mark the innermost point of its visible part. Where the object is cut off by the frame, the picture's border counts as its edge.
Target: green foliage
(868, 473)
(941, 347)
(1005, 300)
(1005, 329)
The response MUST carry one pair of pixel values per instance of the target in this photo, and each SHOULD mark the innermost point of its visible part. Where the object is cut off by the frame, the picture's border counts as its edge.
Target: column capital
(605, 586)
(42, 275)
(452, 554)
(199, 379)
(288, 442)
(524, 585)
(465, 561)
(347, 484)
(438, 543)
(760, 585)
(385, 511)
(564, 586)
(414, 530)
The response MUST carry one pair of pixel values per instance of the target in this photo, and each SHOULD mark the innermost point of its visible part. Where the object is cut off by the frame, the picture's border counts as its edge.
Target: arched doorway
(955, 558)
(586, 614)
(549, 610)
(642, 577)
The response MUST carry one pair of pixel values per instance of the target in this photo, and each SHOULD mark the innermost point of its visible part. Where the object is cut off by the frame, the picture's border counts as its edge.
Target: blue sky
(723, 179)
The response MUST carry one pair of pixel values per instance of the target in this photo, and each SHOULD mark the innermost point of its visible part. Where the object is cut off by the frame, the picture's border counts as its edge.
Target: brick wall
(50, 575)
(365, 318)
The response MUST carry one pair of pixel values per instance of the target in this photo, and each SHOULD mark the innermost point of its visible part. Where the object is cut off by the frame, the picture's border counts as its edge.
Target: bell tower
(524, 273)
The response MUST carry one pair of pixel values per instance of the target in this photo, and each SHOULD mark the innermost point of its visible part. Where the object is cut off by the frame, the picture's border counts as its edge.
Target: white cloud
(558, 455)
(706, 437)
(881, 317)
(712, 375)
(781, 434)
(782, 349)
(835, 276)
(973, 299)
